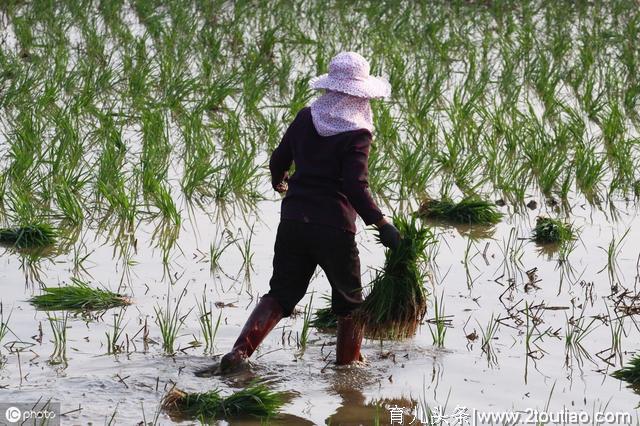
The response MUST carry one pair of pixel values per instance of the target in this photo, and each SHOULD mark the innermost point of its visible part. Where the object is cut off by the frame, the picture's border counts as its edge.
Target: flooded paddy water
(141, 129)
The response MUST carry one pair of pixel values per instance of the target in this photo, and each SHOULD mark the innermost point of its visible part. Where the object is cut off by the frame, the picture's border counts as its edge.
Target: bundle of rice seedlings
(78, 296)
(549, 230)
(324, 318)
(30, 236)
(255, 400)
(630, 373)
(471, 210)
(398, 299)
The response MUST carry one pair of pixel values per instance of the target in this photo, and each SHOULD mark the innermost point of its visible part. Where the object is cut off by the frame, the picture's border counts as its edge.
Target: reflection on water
(355, 410)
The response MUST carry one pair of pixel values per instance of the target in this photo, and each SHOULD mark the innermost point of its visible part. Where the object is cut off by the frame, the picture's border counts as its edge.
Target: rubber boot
(349, 340)
(264, 317)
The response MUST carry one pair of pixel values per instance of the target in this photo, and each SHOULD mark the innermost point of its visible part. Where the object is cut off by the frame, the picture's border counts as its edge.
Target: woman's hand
(282, 187)
(389, 234)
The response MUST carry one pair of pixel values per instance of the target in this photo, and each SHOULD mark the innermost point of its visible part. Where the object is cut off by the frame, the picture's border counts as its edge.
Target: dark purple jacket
(330, 182)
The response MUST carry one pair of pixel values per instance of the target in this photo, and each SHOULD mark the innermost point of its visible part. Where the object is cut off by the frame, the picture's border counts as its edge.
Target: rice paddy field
(134, 140)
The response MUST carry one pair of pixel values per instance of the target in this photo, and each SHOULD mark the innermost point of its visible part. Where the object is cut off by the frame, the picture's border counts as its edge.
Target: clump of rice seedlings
(549, 230)
(29, 236)
(78, 296)
(324, 318)
(471, 210)
(398, 299)
(255, 400)
(630, 373)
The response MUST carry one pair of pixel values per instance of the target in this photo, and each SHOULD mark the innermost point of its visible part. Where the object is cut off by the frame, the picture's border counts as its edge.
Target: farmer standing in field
(329, 143)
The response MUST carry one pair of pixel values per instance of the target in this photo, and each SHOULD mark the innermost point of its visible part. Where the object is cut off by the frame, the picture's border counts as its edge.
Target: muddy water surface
(478, 278)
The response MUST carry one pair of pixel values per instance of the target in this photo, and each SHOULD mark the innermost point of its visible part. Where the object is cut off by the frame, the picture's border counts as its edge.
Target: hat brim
(372, 87)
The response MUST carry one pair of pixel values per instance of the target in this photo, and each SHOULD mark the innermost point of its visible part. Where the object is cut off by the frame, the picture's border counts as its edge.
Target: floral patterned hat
(349, 73)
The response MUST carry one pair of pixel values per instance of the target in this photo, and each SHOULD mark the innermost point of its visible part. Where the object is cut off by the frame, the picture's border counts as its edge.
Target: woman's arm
(355, 180)
(280, 162)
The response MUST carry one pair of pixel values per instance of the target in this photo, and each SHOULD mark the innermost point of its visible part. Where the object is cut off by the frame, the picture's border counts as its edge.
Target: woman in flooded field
(329, 144)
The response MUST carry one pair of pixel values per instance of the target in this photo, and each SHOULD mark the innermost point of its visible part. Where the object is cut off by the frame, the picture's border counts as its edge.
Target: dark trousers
(299, 248)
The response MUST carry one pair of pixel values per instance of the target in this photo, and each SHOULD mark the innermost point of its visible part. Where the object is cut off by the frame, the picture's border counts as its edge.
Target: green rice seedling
(630, 373)
(156, 150)
(564, 250)
(150, 17)
(137, 67)
(631, 102)
(623, 168)
(240, 176)
(300, 97)
(114, 345)
(255, 85)
(255, 400)
(548, 230)
(593, 100)
(78, 296)
(69, 203)
(306, 322)
(416, 166)
(245, 250)
(59, 329)
(324, 318)
(471, 210)
(422, 94)
(207, 326)
(29, 236)
(530, 325)
(613, 251)
(161, 196)
(512, 252)
(170, 322)
(613, 126)
(488, 335)
(397, 301)
(439, 331)
(4, 323)
(616, 330)
(218, 247)
(589, 169)
(110, 12)
(199, 170)
(576, 330)
(216, 91)
(272, 128)
(381, 173)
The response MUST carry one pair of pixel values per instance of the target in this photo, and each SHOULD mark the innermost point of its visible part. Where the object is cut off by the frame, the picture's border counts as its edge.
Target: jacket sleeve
(355, 179)
(281, 159)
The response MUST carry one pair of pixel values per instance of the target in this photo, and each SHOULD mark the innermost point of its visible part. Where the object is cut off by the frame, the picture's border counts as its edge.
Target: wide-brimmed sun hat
(349, 73)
